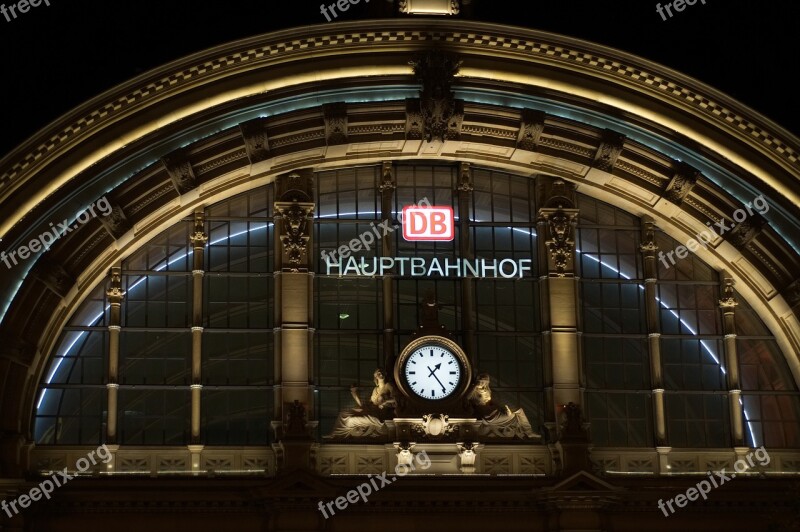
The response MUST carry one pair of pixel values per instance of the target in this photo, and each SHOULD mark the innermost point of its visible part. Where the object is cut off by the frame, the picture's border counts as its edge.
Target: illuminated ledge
(429, 7)
(357, 459)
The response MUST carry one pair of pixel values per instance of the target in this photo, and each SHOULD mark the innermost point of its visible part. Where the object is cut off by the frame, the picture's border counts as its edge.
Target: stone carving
(115, 292)
(406, 7)
(335, 123)
(745, 232)
(560, 244)
(387, 177)
(681, 183)
(465, 178)
(295, 235)
(648, 245)
(180, 171)
(530, 129)
(436, 70)
(496, 420)
(609, 150)
(413, 119)
(116, 223)
(367, 420)
(256, 141)
(436, 425)
(728, 299)
(54, 277)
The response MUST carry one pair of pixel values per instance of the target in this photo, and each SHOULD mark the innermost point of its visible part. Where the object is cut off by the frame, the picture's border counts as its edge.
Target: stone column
(465, 188)
(727, 305)
(115, 296)
(199, 238)
(558, 288)
(294, 211)
(649, 248)
(387, 187)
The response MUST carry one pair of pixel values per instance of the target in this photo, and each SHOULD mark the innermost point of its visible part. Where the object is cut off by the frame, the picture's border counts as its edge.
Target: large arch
(634, 134)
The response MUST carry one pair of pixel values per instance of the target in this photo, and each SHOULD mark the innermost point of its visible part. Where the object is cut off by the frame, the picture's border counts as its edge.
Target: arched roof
(198, 130)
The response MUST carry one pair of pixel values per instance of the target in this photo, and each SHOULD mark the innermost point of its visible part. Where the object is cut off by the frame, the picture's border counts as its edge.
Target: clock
(432, 369)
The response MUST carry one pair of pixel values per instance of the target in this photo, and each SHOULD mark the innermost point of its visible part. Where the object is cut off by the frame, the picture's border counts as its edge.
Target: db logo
(428, 223)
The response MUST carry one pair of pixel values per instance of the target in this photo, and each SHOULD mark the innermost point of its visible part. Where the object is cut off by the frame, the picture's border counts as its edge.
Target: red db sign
(428, 223)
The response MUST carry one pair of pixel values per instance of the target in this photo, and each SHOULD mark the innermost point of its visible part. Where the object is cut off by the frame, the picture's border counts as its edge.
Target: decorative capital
(728, 300)
(387, 177)
(648, 245)
(199, 236)
(115, 292)
(465, 178)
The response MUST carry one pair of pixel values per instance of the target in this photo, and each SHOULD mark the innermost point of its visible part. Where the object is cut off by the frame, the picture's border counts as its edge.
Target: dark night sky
(54, 58)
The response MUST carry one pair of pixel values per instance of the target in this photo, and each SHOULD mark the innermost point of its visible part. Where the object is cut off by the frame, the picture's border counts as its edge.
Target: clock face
(432, 372)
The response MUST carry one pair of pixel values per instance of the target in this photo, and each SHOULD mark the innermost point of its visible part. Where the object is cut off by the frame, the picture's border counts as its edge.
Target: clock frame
(465, 377)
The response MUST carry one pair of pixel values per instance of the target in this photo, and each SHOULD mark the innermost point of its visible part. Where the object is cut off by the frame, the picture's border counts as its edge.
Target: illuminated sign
(433, 267)
(428, 223)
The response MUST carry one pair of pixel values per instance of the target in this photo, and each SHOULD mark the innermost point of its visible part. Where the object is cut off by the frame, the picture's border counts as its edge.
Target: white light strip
(528, 232)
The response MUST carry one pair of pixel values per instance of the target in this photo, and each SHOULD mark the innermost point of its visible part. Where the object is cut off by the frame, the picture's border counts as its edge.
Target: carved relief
(681, 183)
(465, 178)
(180, 171)
(435, 425)
(609, 150)
(437, 7)
(530, 129)
(560, 243)
(199, 236)
(745, 232)
(387, 177)
(648, 245)
(728, 300)
(296, 224)
(335, 123)
(116, 223)
(256, 141)
(436, 70)
(413, 119)
(54, 277)
(115, 292)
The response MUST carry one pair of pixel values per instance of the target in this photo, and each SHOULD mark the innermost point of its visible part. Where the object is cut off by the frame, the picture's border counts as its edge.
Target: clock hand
(437, 366)
(440, 382)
